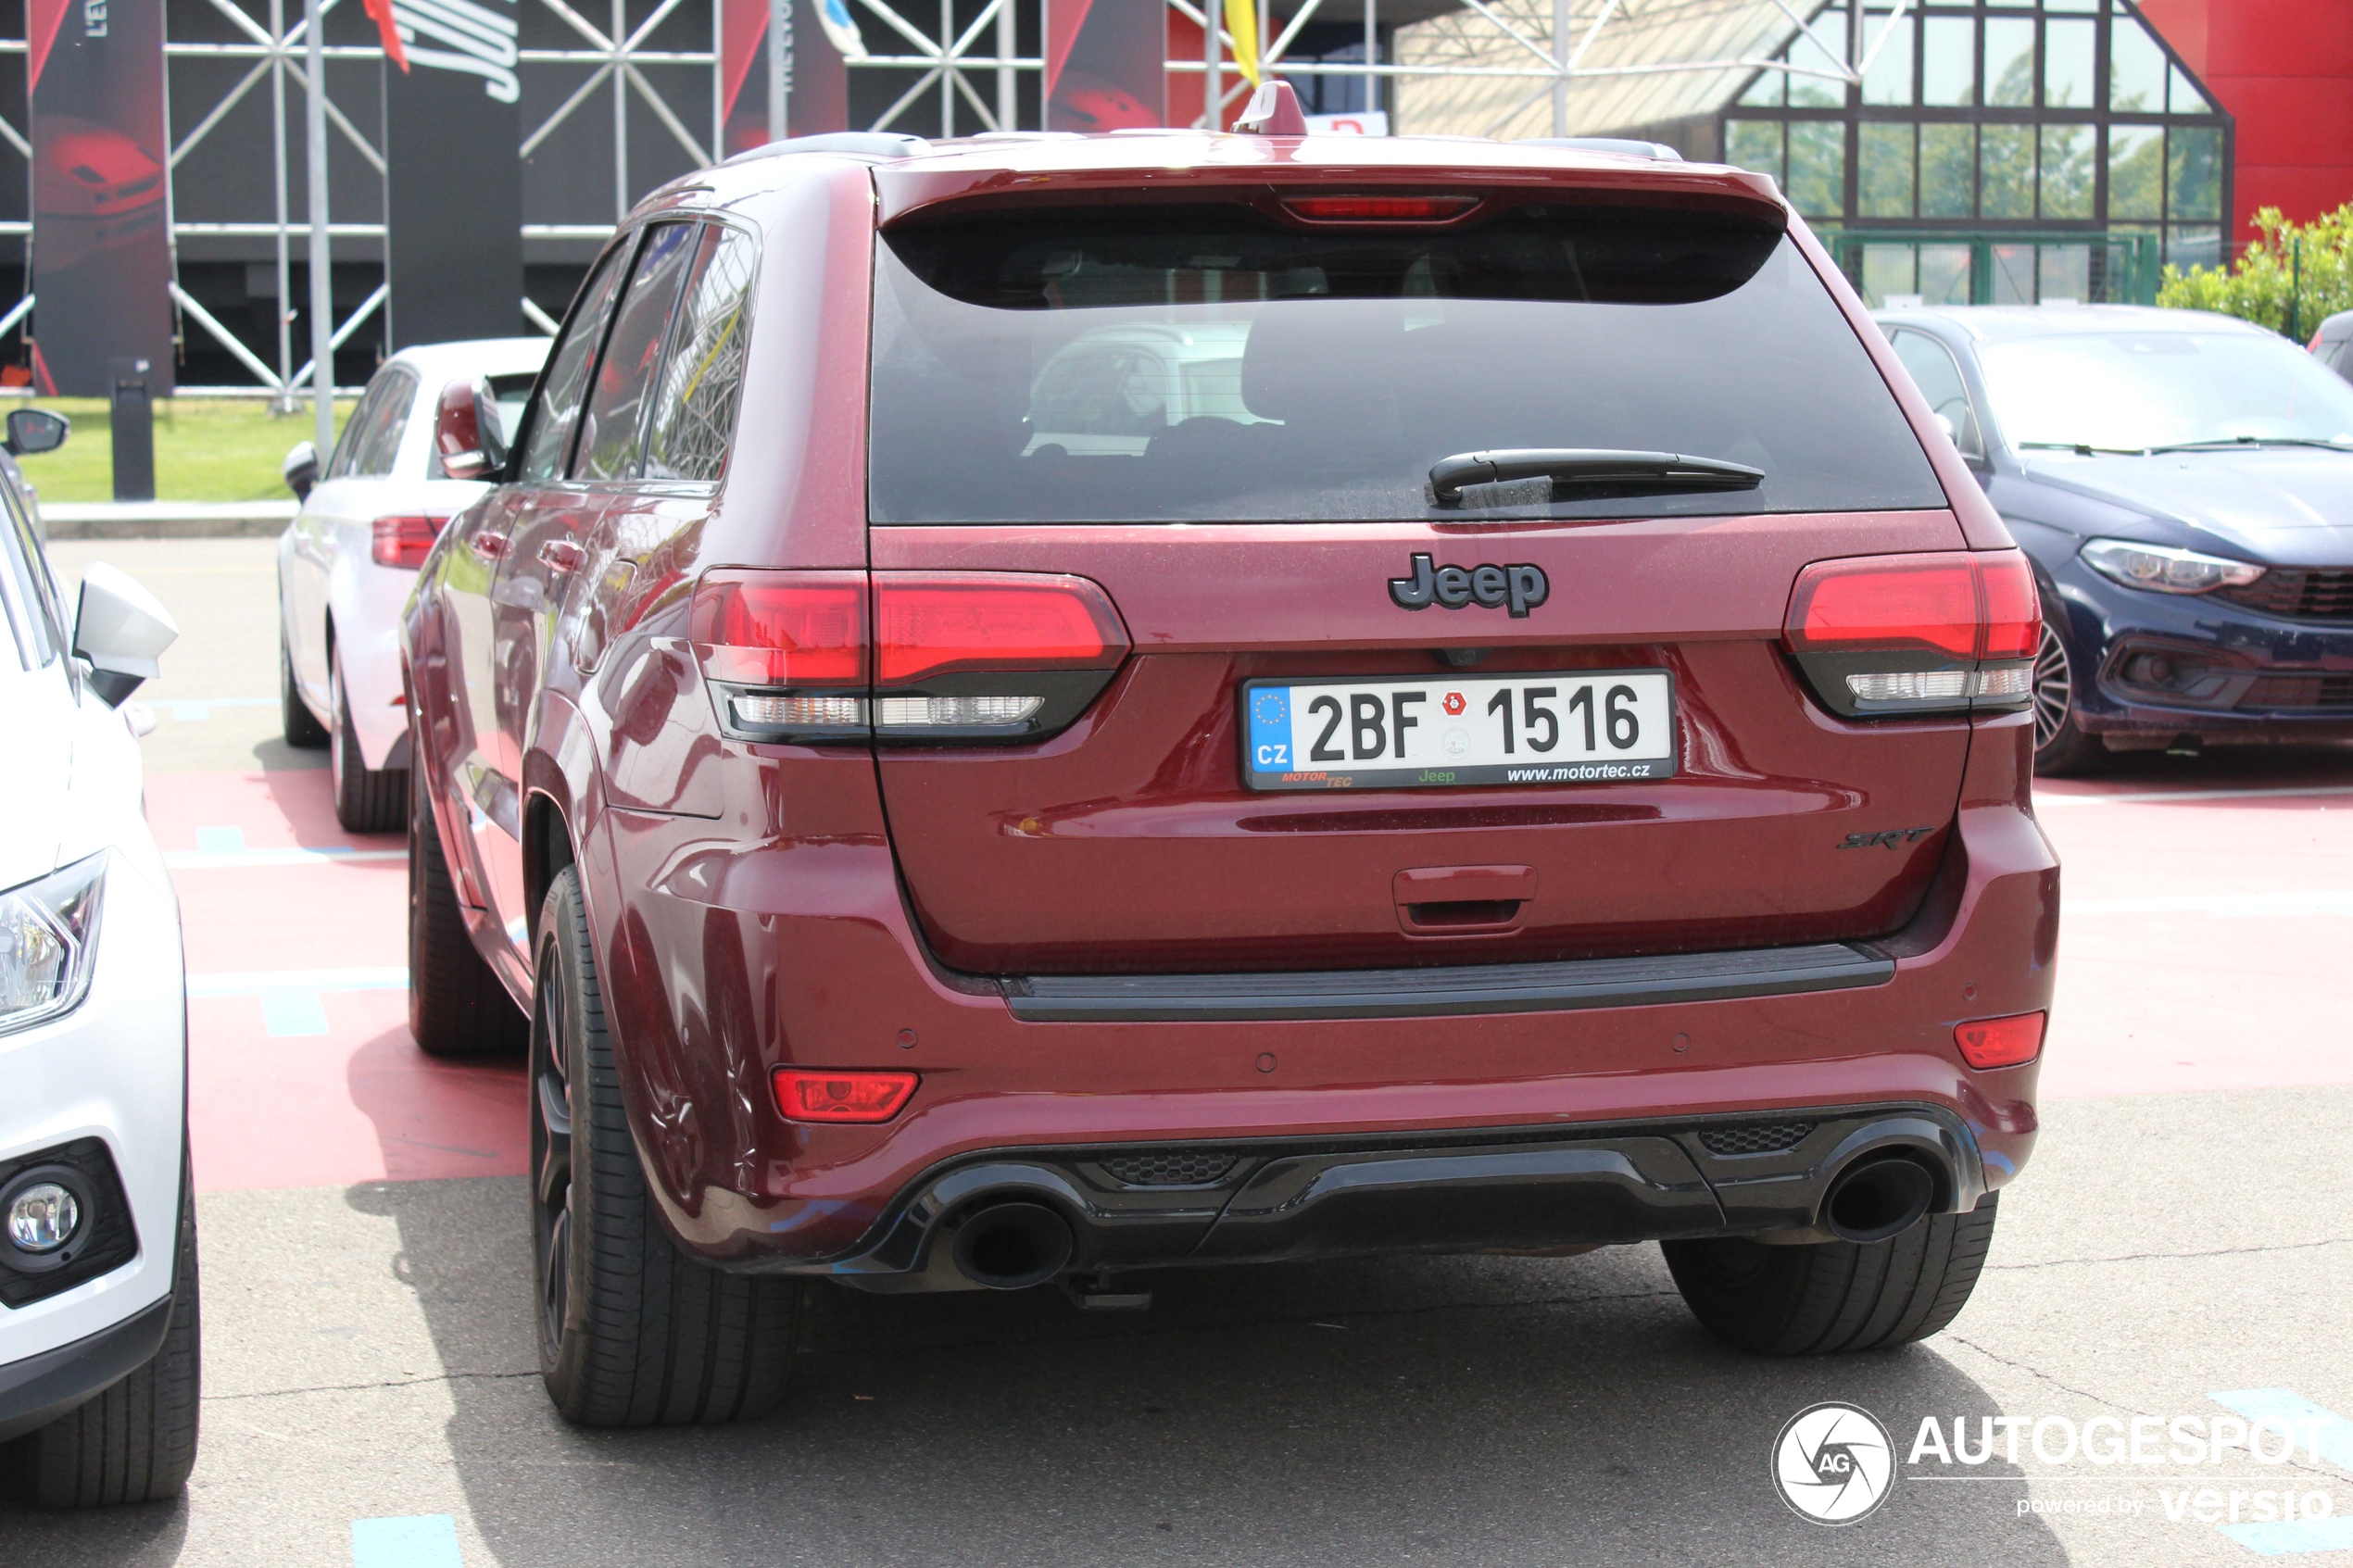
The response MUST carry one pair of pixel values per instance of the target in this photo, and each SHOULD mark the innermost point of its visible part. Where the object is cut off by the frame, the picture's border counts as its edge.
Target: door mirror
(120, 630)
(468, 432)
(301, 469)
(35, 430)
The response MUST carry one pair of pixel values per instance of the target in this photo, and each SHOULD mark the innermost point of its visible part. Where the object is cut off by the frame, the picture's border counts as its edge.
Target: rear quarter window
(1211, 364)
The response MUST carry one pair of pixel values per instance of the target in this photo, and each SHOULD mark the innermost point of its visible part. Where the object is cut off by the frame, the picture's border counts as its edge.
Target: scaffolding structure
(959, 62)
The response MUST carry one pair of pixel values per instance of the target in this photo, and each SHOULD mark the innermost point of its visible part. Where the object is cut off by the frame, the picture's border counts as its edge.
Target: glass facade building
(1991, 151)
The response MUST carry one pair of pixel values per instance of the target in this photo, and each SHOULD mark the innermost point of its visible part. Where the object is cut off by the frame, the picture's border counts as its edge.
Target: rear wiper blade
(1583, 466)
(2225, 443)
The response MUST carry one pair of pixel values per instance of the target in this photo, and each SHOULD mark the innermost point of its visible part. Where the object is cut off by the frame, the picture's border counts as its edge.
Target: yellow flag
(1242, 20)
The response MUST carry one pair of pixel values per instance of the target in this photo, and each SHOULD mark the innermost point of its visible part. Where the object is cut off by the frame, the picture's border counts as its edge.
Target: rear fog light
(2000, 1042)
(806, 1095)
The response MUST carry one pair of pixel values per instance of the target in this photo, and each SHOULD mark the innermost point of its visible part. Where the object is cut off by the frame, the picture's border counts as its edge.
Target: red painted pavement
(2147, 1003)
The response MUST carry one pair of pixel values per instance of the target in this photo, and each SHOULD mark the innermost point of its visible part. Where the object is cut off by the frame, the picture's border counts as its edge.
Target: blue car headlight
(2164, 570)
(49, 938)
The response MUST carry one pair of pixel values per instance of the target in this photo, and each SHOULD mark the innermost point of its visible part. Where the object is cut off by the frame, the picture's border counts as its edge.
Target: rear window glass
(1212, 364)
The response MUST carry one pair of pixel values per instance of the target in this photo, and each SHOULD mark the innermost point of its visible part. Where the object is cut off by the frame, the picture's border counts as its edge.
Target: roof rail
(1624, 144)
(851, 144)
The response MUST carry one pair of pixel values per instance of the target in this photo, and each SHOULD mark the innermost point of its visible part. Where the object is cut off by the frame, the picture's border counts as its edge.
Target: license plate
(1569, 726)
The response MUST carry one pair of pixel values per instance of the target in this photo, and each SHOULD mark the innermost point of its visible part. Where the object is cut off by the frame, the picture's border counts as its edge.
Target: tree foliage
(2307, 265)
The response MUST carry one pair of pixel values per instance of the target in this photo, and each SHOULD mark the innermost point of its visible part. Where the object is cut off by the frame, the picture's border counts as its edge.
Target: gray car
(2183, 484)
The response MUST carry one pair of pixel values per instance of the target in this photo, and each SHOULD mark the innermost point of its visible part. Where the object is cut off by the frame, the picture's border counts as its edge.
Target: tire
(137, 1441)
(2060, 746)
(367, 799)
(302, 728)
(457, 1007)
(1834, 1296)
(632, 1331)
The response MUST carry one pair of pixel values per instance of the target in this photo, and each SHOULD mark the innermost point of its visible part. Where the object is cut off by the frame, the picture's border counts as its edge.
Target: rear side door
(482, 775)
(1535, 719)
(548, 546)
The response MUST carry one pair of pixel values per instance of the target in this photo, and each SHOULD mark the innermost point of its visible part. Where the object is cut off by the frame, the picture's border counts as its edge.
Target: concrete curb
(166, 520)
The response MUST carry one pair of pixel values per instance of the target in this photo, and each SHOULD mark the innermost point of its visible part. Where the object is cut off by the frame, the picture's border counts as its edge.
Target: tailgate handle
(1462, 900)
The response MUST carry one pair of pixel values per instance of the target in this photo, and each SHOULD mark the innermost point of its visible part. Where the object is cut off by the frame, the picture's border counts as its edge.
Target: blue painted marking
(2293, 1538)
(290, 1012)
(2321, 1430)
(1270, 730)
(2330, 1434)
(221, 841)
(417, 1540)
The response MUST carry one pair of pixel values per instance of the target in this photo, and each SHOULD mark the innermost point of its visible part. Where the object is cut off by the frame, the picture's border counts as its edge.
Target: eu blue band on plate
(1270, 730)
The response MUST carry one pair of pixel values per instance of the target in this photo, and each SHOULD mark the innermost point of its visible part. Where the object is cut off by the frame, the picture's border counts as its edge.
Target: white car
(98, 1324)
(346, 562)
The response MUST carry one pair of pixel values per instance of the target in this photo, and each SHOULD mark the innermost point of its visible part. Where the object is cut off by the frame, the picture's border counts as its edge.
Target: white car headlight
(48, 935)
(2167, 571)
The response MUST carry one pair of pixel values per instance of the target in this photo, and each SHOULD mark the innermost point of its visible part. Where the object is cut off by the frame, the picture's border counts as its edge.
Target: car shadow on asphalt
(1474, 1409)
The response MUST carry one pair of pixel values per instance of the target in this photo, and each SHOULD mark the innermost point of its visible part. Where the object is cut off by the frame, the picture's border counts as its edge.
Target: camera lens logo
(1834, 1464)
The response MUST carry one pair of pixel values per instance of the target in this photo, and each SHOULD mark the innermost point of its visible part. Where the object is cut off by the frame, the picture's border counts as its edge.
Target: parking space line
(417, 1540)
(2168, 796)
(195, 709)
(2317, 901)
(206, 859)
(293, 1005)
(2293, 1537)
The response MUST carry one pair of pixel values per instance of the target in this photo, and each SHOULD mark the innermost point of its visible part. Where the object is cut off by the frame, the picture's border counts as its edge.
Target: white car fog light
(42, 1217)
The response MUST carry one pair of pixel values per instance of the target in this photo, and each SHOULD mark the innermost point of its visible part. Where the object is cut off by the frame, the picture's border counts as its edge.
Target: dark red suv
(1032, 710)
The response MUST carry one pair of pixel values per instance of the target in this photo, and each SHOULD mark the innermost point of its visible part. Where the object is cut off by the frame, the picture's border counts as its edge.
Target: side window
(558, 409)
(1940, 382)
(694, 409)
(619, 393)
(355, 429)
(380, 445)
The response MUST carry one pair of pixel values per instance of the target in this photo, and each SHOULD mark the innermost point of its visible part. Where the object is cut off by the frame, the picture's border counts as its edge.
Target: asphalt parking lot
(2182, 1246)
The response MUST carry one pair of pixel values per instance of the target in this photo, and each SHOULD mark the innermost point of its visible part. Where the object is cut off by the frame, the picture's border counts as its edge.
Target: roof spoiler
(1625, 144)
(842, 144)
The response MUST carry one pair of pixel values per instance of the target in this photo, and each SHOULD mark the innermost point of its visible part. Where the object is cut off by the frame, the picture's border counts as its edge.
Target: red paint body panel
(760, 906)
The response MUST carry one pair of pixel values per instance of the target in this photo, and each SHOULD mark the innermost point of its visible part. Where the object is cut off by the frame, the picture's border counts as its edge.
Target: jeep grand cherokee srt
(1030, 710)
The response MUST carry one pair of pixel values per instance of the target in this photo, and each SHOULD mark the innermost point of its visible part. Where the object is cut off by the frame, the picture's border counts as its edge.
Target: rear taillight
(2000, 1042)
(1945, 633)
(804, 656)
(403, 541)
(806, 1095)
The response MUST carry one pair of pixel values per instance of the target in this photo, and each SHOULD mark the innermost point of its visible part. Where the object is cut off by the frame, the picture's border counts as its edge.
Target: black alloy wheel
(550, 1165)
(634, 1331)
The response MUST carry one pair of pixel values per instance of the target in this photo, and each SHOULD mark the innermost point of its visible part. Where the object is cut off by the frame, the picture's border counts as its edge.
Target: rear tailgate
(1267, 394)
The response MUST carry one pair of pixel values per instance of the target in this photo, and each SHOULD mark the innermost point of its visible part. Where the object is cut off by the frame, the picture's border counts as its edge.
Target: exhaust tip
(1873, 1199)
(1012, 1246)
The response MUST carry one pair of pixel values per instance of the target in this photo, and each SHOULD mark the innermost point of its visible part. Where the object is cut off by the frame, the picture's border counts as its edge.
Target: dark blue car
(2183, 484)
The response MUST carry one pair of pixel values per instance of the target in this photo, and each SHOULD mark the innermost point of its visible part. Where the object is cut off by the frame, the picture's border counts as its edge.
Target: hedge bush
(2307, 266)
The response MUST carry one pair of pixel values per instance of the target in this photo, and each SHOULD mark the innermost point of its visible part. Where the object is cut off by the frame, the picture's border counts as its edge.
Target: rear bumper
(724, 960)
(1509, 1190)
